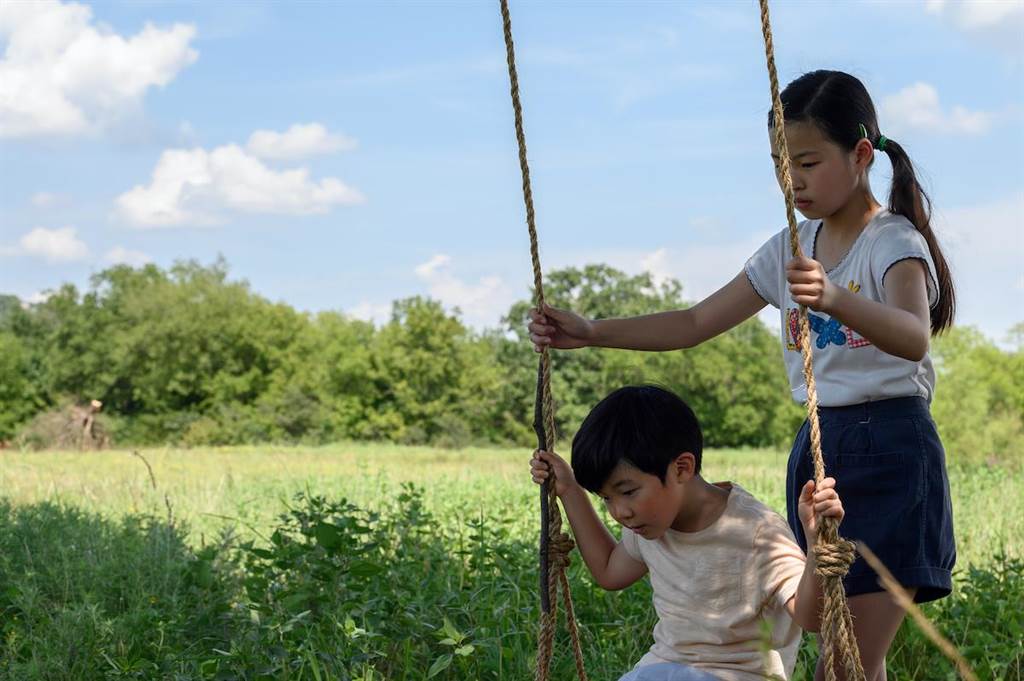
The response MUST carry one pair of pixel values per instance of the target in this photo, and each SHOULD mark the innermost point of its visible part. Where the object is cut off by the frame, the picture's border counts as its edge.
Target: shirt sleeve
(780, 562)
(764, 272)
(900, 241)
(630, 542)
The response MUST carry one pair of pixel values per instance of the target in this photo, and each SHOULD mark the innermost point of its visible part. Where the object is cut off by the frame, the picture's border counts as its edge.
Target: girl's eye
(629, 493)
(809, 165)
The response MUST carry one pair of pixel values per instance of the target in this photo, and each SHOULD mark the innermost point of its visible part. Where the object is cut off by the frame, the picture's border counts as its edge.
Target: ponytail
(907, 198)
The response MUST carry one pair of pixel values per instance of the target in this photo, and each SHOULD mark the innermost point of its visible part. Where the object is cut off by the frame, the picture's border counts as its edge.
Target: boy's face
(641, 502)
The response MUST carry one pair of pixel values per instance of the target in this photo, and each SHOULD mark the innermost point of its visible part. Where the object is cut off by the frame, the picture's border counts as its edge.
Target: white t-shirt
(848, 369)
(713, 588)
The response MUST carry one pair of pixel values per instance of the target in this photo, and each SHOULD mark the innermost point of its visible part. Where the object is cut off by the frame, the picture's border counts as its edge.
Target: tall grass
(213, 568)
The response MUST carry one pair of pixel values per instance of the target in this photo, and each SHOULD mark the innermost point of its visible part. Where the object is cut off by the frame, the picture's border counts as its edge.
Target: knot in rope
(559, 548)
(834, 559)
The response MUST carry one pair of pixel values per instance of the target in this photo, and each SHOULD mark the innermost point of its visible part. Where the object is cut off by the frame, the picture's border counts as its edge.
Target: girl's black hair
(838, 104)
(645, 426)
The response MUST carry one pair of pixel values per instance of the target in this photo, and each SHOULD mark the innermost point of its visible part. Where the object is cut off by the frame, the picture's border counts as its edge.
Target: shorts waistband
(896, 407)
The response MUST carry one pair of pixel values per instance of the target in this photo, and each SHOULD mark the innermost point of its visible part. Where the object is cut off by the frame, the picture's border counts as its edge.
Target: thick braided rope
(833, 554)
(555, 544)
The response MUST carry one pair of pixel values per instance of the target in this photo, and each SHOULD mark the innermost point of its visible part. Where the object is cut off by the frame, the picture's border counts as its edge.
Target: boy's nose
(622, 513)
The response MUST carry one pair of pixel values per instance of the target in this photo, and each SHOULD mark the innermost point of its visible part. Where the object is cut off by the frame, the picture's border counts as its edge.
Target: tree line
(188, 356)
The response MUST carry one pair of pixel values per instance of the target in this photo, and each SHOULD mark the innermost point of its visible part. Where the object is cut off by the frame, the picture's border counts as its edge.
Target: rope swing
(833, 554)
(555, 545)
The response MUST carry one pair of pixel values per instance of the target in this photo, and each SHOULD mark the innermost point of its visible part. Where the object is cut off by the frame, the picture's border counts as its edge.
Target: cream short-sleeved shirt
(713, 588)
(848, 369)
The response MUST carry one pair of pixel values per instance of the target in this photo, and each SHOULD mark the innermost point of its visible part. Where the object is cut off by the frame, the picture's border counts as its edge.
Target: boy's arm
(805, 605)
(608, 561)
(612, 567)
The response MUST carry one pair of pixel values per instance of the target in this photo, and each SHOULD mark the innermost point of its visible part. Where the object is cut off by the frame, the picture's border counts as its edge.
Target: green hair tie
(880, 144)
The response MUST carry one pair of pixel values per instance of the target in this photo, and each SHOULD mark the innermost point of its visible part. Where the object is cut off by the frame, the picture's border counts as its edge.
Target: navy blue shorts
(890, 472)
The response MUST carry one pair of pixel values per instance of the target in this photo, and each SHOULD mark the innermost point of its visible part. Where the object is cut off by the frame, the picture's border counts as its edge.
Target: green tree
(19, 394)
(978, 405)
(425, 366)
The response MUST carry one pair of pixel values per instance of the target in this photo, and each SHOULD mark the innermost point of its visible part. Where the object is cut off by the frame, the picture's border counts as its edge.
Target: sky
(340, 156)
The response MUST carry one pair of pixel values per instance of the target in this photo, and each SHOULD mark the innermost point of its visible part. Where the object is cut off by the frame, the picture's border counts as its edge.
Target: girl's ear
(863, 153)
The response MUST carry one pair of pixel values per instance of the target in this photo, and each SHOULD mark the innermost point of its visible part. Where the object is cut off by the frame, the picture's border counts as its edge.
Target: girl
(878, 287)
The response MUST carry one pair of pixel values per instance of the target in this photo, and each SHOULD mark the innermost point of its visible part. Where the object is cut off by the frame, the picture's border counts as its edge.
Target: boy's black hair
(646, 426)
(839, 104)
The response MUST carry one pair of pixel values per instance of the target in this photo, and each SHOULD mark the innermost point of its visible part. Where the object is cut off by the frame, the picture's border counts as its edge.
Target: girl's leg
(876, 618)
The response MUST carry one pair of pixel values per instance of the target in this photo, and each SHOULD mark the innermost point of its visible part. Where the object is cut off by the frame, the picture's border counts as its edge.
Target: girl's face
(825, 175)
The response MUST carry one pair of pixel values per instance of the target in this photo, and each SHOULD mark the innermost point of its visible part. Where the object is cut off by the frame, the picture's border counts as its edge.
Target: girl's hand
(559, 329)
(542, 462)
(808, 284)
(817, 504)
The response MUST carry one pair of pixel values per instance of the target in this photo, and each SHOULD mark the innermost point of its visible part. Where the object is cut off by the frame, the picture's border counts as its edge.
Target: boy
(720, 561)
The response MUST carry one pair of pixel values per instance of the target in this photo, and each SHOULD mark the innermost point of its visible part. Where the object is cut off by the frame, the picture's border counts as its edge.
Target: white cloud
(195, 186)
(123, 256)
(917, 107)
(977, 14)
(48, 199)
(996, 24)
(35, 299)
(63, 75)
(53, 245)
(298, 141)
(657, 265)
(481, 303)
(377, 313)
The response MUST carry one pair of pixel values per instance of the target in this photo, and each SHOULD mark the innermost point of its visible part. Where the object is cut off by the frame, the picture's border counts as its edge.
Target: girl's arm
(901, 326)
(719, 312)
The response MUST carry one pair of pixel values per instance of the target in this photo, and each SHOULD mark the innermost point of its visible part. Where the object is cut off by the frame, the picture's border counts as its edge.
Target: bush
(63, 429)
(85, 598)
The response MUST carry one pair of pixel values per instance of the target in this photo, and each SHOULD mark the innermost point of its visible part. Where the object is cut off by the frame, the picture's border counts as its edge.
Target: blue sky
(343, 155)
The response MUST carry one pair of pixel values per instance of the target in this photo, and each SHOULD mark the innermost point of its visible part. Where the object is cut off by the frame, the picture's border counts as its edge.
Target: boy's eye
(629, 493)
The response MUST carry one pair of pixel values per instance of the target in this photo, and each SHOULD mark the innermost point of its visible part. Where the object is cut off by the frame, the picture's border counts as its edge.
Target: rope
(835, 555)
(555, 545)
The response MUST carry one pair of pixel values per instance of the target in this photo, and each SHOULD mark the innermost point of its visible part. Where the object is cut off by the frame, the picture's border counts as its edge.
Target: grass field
(214, 583)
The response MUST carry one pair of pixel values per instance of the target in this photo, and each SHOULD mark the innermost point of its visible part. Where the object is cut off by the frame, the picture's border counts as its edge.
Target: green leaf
(327, 535)
(450, 631)
(440, 664)
(364, 568)
(465, 650)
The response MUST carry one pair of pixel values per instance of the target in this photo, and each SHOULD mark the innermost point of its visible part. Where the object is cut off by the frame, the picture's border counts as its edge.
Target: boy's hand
(809, 285)
(542, 462)
(817, 504)
(561, 329)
